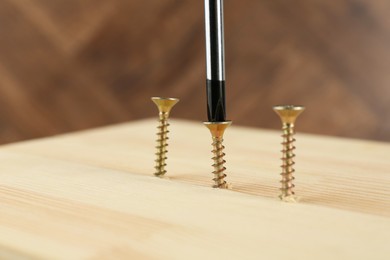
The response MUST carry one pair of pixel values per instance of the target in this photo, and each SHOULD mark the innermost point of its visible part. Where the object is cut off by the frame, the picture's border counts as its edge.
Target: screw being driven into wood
(164, 106)
(217, 130)
(288, 114)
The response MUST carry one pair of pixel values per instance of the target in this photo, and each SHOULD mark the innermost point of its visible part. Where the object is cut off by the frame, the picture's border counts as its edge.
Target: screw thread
(162, 144)
(219, 162)
(287, 188)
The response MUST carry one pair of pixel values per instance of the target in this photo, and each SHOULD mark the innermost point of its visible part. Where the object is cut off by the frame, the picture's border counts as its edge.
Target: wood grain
(93, 195)
(67, 65)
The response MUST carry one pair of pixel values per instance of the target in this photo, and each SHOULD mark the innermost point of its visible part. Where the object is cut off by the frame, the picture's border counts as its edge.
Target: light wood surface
(91, 195)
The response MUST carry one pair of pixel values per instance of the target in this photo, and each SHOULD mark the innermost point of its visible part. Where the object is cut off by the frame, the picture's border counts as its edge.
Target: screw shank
(219, 162)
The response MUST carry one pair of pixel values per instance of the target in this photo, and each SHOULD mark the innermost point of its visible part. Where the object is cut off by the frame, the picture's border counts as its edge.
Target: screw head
(217, 129)
(288, 113)
(163, 104)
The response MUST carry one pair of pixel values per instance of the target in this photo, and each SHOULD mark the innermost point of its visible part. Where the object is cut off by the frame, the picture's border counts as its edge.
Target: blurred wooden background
(74, 64)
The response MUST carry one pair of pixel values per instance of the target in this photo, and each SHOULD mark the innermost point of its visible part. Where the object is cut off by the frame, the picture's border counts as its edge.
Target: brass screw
(217, 130)
(164, 106)
(288, 114)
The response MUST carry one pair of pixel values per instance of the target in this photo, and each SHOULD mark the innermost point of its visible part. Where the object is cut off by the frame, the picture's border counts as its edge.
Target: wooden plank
(92, 195)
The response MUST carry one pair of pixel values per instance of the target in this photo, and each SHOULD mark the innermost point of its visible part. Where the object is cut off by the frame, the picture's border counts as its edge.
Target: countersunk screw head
(288, 113)
(165, 105)
(217, 129)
